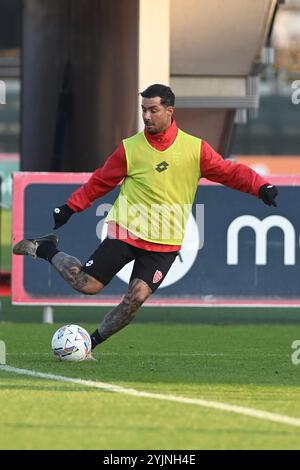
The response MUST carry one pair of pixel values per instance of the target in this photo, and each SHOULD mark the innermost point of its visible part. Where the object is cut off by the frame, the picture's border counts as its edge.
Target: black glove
(268, 193)
(61, 215)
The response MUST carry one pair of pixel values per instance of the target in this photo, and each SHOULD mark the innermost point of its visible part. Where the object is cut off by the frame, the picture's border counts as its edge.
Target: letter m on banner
(261, 228)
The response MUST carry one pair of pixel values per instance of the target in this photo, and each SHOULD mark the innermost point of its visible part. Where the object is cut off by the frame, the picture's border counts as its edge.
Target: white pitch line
(259, 414)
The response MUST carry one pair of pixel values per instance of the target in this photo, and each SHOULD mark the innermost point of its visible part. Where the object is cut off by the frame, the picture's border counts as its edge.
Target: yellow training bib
(157, 194)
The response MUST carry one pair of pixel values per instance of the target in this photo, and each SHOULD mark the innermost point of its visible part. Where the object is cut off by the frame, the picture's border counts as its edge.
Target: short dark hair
(167, 97)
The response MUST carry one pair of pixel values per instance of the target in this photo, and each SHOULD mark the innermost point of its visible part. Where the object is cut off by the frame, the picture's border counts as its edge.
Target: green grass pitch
(245, 365)
(234, 356)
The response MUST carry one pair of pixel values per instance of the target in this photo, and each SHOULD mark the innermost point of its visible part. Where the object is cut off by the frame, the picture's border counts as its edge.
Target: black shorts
(112, 255)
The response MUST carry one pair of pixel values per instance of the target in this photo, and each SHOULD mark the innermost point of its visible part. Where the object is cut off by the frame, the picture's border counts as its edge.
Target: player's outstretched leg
(67, 266)
(122, 314)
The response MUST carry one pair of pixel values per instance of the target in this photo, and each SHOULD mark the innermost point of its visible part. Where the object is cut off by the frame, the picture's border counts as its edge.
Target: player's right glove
(268, 193)
(61, 215)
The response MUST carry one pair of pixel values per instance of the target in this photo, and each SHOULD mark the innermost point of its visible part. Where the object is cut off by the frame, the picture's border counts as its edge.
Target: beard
(152, 131)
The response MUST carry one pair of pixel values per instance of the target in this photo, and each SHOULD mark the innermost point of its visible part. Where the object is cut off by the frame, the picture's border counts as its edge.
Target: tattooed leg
(69, 268)
(121, 315)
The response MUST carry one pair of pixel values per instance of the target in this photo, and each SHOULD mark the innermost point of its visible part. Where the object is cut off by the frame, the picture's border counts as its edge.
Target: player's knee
(134, 304)
(90, 290)
(90, 287)
(131, 306)
(137, 293)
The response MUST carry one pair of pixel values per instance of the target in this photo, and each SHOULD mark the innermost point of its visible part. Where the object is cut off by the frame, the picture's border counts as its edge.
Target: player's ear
(170, 110)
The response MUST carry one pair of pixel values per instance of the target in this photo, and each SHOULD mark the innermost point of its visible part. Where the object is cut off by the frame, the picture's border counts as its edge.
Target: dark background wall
(10, 21)
(77, 129)
(275, 131)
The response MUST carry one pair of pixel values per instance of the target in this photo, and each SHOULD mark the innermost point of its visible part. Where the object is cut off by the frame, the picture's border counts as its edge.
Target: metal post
(48, 314)
(2, 353)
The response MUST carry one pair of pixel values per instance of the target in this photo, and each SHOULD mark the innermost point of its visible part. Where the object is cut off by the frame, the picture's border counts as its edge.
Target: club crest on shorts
(157, 276)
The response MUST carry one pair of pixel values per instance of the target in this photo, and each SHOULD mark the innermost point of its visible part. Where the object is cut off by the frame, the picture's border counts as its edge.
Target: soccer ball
(71, 343)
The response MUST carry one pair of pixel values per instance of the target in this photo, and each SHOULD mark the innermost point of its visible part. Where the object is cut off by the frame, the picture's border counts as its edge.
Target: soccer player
(160, 168)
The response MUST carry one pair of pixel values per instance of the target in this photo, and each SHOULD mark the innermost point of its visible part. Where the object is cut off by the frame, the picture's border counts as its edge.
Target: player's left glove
(268, 193)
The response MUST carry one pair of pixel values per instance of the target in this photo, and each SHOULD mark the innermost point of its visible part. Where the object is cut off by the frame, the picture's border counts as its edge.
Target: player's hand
(268, 193)
(61, 215)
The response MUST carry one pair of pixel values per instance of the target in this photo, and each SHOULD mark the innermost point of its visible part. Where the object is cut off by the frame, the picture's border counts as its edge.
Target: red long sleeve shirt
(212, 166)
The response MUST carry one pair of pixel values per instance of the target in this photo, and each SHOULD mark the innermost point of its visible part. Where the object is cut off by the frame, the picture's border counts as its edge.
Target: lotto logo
(162, 166)
(89, 263)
